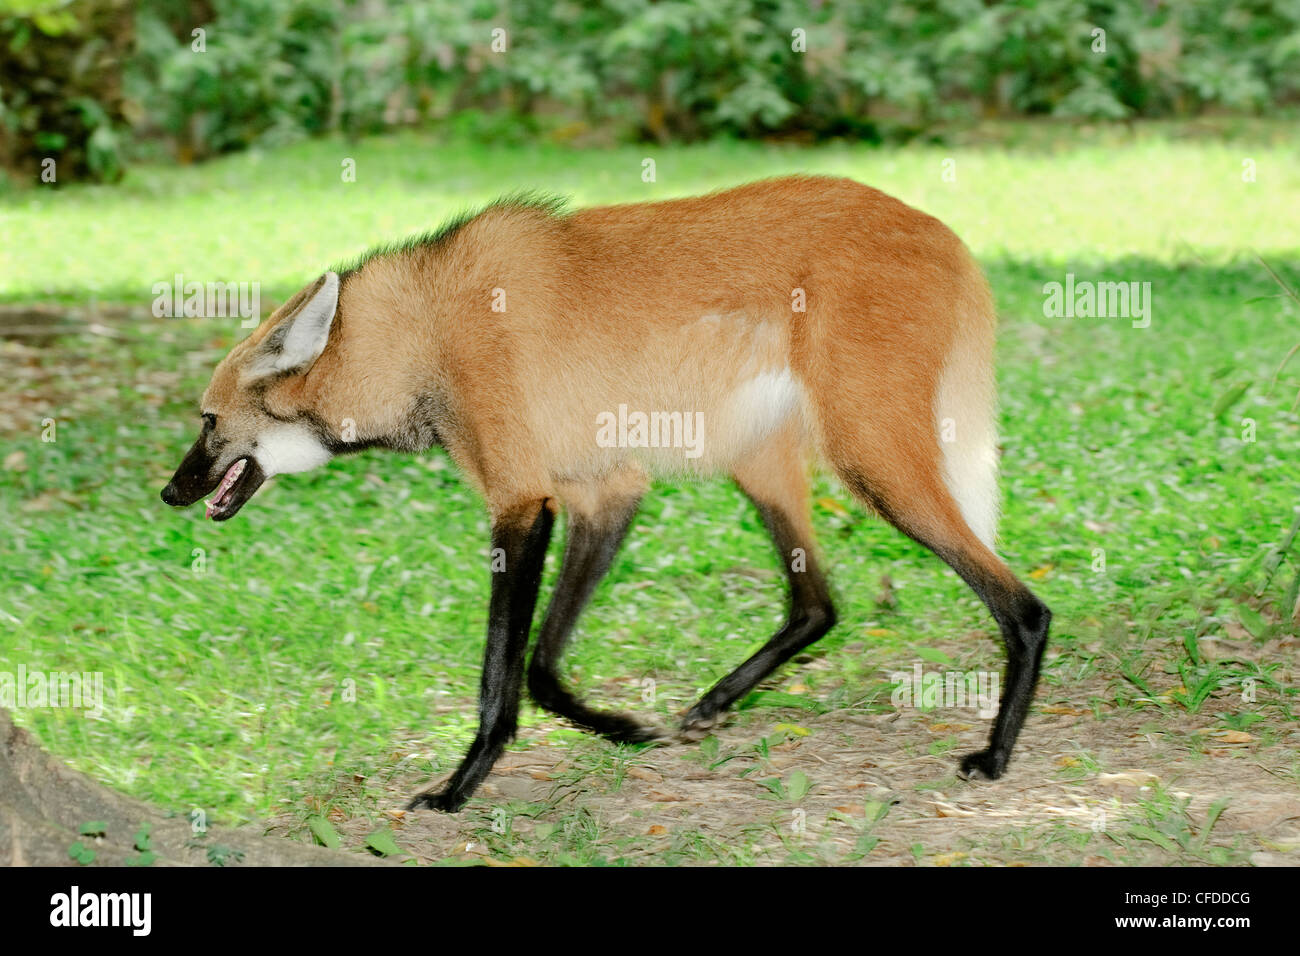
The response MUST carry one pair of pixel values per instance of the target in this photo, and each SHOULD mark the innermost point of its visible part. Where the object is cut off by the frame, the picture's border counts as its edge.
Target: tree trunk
(43, 805)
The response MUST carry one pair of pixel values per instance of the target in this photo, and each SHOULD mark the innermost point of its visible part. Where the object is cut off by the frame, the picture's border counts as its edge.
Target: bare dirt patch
(1120, 786)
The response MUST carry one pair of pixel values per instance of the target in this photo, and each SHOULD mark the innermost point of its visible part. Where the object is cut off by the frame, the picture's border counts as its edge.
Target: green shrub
(266, 71)
(61, 86)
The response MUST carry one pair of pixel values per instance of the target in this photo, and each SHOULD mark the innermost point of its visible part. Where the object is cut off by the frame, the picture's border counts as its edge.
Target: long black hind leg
(593, 539)
(924, 510)
(1023, 620)
(519, 540)
(776, 481)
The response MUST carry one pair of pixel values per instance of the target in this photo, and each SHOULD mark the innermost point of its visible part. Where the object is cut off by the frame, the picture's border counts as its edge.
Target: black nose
(169, 494)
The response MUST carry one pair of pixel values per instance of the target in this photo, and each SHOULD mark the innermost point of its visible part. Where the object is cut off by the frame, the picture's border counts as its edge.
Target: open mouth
(238, 484)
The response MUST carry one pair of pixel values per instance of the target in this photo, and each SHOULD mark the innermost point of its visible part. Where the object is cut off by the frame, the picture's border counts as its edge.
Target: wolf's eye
(209, 420)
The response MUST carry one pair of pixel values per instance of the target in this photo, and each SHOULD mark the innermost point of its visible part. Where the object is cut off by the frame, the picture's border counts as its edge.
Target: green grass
(231, 687)
(279, 218)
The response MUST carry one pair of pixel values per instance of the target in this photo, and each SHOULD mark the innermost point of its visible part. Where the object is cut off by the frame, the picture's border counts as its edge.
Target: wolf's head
(257, 420)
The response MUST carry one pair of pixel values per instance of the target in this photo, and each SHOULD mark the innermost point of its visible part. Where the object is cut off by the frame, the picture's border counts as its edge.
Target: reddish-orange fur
(513, 334)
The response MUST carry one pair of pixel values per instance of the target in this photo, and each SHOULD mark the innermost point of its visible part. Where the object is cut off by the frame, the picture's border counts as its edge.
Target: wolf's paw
(697, 726)
(645, 734)
(445, 802)
(982, 765)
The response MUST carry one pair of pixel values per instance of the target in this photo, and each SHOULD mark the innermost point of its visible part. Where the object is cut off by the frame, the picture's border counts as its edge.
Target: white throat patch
(286, 449)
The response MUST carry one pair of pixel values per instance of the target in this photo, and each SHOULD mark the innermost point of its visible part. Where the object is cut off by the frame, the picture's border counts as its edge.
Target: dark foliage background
(96, 81)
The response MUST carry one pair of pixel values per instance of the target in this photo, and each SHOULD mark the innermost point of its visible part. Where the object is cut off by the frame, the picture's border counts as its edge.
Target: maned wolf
(564, 358)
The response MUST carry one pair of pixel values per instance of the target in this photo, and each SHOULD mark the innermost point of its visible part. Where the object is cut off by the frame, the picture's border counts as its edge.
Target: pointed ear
(298, 339)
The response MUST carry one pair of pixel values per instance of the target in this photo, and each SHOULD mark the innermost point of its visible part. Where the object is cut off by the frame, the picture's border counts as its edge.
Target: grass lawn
(318, 656)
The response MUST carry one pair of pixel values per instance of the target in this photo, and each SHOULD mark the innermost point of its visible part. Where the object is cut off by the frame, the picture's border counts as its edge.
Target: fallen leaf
(324, 832)
(1128, 778)
(794, 729)
(1233, 736)
(382, 842)
(662, 797)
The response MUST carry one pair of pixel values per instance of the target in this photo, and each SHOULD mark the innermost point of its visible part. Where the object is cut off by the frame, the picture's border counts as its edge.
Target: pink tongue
(232, 476)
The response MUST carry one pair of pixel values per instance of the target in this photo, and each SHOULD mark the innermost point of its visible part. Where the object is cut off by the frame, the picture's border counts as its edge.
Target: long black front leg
(811, 615)
(593, 541)
(519, 541)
